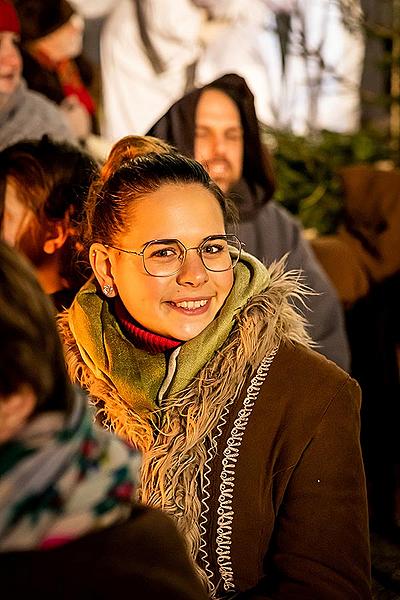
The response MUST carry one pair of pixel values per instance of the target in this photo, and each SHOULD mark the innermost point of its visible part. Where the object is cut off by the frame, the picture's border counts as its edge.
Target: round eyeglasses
(163, 258)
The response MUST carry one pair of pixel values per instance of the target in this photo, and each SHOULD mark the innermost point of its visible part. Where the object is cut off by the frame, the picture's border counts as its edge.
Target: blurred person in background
(24, 114)
(51, 41)
(302, 59)
(147, 51)
(43, 185)
(70, 525)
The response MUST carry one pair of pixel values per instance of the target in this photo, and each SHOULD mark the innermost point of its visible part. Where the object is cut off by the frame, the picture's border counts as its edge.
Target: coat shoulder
(307, 380)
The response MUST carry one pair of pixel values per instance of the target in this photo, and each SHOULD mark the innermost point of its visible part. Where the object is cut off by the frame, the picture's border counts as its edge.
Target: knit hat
(40, 17)
(8, 17)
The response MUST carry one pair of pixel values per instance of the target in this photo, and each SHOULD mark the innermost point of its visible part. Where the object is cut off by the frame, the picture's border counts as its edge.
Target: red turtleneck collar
(142, 338)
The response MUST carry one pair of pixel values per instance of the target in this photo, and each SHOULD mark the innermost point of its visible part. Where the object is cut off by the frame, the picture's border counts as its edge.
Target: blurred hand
(77, 116)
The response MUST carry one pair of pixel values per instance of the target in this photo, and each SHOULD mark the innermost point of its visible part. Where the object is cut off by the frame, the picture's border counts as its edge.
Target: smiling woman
(192, 350)
(181, 303)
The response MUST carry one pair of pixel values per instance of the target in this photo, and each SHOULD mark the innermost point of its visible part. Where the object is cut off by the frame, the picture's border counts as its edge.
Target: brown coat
(299, 527)
(366, 248)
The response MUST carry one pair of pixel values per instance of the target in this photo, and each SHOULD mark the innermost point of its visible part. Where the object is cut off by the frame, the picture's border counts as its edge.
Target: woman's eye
(163, 253)
(213, 249)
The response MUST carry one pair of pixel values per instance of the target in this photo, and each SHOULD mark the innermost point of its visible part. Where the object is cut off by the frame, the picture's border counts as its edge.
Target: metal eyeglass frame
(197, 248)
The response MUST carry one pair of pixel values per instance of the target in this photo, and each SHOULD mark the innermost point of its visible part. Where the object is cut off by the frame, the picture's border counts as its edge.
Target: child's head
(43, 185)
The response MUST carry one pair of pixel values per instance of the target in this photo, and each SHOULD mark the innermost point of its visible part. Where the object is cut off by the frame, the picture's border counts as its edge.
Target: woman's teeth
(191, 304)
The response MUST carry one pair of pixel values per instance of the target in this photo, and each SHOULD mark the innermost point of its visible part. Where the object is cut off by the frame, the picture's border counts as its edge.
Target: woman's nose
(192, 272)
(219, 145)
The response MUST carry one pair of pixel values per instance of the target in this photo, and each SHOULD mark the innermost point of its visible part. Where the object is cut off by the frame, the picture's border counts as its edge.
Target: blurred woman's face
(20, 227)
(63, 43)
(177, 306)
(10, 65)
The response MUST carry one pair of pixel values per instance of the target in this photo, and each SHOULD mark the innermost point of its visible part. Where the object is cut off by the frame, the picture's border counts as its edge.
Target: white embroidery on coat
(231, 454)
(206, 495)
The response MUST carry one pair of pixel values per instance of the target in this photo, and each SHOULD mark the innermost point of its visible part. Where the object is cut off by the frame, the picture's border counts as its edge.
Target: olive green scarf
(136, 374)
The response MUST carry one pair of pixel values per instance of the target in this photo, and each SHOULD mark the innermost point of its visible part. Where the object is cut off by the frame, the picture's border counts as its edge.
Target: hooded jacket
(267, 229)
(257, 456)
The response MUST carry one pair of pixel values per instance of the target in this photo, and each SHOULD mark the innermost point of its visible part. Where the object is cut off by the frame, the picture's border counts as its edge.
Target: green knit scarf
(137, 375)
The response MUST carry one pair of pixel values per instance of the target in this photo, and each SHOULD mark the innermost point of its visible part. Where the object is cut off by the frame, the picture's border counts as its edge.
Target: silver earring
(108, 290)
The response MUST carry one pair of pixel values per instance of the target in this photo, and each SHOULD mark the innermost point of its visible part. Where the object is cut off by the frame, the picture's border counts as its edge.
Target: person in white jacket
(146, 50)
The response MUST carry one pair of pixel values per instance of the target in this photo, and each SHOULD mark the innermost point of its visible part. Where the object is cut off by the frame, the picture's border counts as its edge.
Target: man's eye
(234, 136)
(200, 133)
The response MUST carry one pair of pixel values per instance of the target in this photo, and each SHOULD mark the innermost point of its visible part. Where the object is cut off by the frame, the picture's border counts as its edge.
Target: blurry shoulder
(278, 214)
(41, 103)
(47, 115)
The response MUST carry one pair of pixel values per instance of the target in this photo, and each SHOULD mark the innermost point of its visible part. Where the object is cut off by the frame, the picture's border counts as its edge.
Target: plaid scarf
(61, 478)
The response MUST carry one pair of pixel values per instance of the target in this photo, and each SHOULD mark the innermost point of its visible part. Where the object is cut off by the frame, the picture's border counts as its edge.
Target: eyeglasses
(163, 258)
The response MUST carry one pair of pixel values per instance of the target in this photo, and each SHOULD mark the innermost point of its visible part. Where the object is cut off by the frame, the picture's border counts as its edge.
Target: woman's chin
(187, 332)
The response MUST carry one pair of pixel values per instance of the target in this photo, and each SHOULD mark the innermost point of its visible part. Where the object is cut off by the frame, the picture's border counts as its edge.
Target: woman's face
(63, 43)
(10, 64)
(20, 227)
(189, 213)
(17, 216)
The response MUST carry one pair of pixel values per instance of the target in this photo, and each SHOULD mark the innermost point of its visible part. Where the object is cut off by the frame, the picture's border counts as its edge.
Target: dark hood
(177, 127)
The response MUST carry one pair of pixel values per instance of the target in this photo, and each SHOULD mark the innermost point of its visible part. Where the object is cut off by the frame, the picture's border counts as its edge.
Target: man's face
(218, 143)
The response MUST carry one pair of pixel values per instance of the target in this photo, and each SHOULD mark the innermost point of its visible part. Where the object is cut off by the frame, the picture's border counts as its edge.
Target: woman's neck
(140, 336)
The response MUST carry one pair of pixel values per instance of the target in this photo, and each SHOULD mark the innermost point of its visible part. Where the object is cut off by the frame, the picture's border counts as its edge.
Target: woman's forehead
(174, 211)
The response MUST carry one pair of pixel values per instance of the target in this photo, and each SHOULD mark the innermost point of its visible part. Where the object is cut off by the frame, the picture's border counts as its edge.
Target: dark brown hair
(31, 351)
(138, 166)
(52, 179)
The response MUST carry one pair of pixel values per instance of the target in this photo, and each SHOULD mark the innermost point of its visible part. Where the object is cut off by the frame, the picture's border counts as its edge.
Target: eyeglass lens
(166, 258)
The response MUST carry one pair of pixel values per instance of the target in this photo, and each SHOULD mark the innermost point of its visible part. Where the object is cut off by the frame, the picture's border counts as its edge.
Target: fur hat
(8, 17)
(41, 17)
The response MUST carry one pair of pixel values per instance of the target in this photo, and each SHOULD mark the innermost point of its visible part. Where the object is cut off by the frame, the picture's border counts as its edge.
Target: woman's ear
(101, 265)
(15, 411)
(56, 237)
